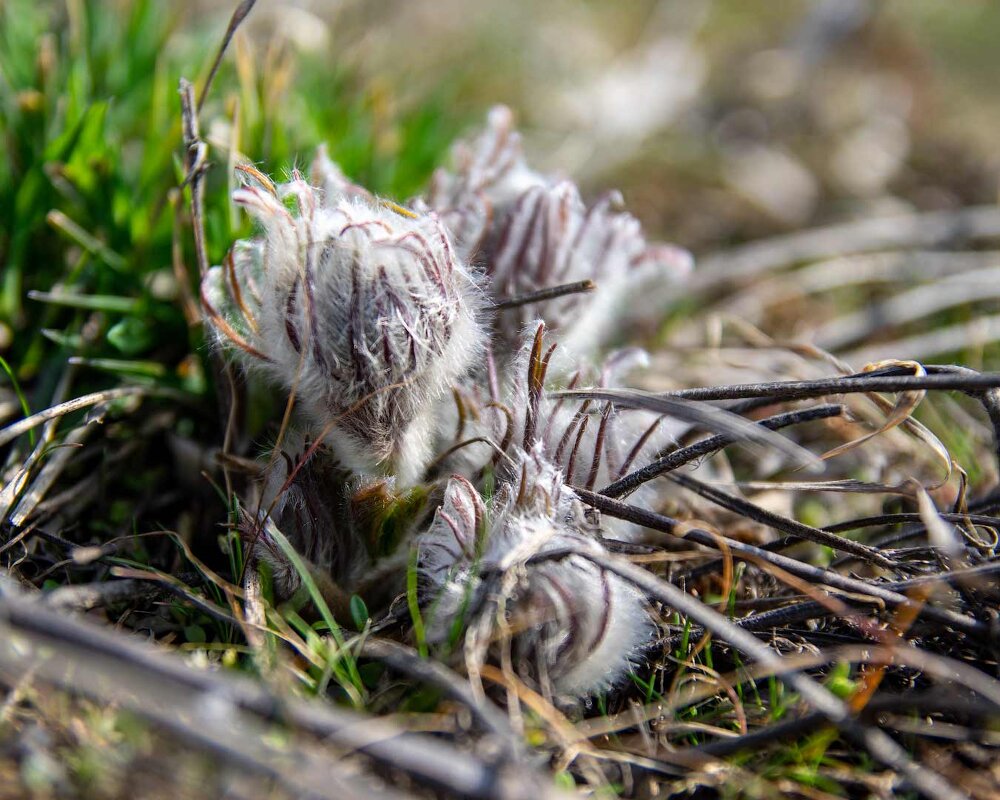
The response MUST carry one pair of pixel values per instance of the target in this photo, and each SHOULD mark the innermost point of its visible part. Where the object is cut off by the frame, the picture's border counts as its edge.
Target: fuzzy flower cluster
(417, 359)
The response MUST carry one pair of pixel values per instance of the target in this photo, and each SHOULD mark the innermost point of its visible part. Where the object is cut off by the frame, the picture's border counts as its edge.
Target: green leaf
(91, 302)
(359, 612)
(195, 633)
(341, 651)
(25, 408)
(419, 631)
(76, 234)
(131, 336)
(142, 369)
(564, 780)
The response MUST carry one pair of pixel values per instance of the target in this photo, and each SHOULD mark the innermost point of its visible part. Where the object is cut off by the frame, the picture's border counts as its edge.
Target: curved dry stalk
(810, 609)
(683, 532)
(404, 659)
(685, 455)
(12, 431)
(942, 668)
(923, 703)
(541, 295)
(675, 405)
(786, 525)
(805, 390)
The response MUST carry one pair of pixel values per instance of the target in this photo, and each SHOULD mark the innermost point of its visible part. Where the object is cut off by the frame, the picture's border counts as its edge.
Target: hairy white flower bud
(490, 173)
(533, 232)
(551, 238)
(360, 307)
(580, 627)
(592, 443)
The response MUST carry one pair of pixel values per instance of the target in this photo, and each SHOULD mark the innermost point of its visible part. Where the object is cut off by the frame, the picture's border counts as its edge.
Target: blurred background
(721, 121)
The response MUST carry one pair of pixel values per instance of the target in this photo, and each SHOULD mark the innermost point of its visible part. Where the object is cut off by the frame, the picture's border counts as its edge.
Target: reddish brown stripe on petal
(291, 331)
(599, 446)
(571, 464)
(535, 378)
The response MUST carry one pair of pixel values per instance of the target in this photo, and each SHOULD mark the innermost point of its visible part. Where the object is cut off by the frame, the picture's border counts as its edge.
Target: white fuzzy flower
(346, 529)
(592, 444)
(579, 626)
(490, 173)
(360, 307)
(551, 238)
(532, 231)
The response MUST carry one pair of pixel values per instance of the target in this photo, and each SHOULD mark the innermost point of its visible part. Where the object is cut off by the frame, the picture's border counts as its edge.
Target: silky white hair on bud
(533, 231)
(490, 173)
(361, 307)
(592, 444)
(551, 238)
(582, 625)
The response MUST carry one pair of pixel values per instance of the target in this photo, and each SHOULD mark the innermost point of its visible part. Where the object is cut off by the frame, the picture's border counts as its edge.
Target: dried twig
(240, 14)
(195, 166)
(545, 294)
(810, 609)
(12, 431)
(707, 416)
(406, 660)
(685, 455)
(914, 702)
(195, 149)
(899, 518)
(789, 526)
(804, 390)
(659, 522)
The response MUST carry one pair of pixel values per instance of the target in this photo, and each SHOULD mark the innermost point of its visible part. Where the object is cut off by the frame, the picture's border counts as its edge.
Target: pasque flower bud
(533, 231)
(490, 173)
(550, 238)
(579, 627)
(302, 494)
(359, 307)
